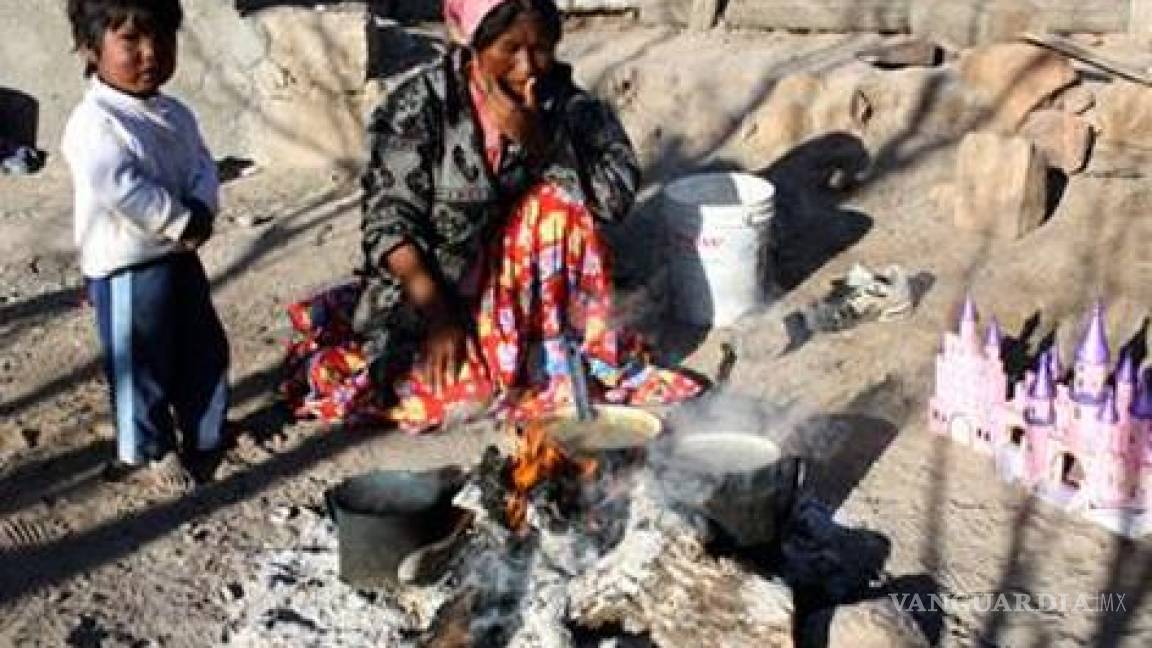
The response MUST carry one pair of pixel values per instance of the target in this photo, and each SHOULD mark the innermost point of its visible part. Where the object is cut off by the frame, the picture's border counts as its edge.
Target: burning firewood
(540, 460)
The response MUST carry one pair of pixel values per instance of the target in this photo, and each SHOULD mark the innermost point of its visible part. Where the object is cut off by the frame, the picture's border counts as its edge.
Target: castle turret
(1092, 360)
(1112, 468)
(969, 337)
(1109, 415)
(1142, 403)
(993, 340)
(1041, 409)
(1114, 434)
(1054, 364)
(1141, 412)
(1125, 383)
(1039, 420)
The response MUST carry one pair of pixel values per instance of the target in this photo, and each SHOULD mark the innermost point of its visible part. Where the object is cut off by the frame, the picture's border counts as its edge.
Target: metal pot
(382, 517)
(739, 481)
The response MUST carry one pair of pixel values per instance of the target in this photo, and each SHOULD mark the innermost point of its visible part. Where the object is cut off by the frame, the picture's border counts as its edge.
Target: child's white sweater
(134, 162)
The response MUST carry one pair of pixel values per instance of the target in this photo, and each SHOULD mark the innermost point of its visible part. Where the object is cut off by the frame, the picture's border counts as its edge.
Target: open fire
(585, 534)
(539, 459)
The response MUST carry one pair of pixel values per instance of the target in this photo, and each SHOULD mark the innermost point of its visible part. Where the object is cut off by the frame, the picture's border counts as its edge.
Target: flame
(538, 459)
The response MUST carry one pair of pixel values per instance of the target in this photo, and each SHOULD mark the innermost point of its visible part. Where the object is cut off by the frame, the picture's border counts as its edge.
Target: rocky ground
(869, 180)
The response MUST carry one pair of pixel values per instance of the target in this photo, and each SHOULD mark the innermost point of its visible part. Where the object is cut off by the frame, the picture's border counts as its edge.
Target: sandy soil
(115, 567)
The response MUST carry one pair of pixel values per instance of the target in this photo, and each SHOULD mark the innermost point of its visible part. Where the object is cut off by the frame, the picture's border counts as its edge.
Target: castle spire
(1054, 364)
(1044, 386)
(1041, 409)
(1142, 404)
(993, 339)
(1094, 347)
(1126, 372)
(1108, 412)
(968, 317)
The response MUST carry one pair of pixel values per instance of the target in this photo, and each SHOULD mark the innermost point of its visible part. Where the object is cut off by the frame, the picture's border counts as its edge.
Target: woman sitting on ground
(484, 269)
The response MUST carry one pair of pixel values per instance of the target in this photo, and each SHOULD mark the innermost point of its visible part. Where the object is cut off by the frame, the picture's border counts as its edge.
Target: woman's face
(523, 52)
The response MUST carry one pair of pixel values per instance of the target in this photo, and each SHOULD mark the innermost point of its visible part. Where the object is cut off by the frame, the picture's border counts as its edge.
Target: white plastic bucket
(718, 233)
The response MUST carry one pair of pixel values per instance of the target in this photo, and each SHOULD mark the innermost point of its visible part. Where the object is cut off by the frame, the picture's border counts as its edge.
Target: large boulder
(1014, 78)
(1124, 114)
(803, 105)
(876, 623)
(933, 102)
(1064, 138)
(1001, 185)
(312, 86)
(1076, 99)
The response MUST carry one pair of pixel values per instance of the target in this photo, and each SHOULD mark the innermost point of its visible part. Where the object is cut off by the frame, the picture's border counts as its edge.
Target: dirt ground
(115, 567)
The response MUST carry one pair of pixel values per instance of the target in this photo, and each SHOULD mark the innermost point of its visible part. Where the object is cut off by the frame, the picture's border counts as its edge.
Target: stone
(323, 50)
(1076, 99)
(1001, 185)
(818, 15)
(703, 15)
(876, 623)
(840, 104)
(317, 131)
(908, 52)
(801, 88)
(1124, 114)
(783, 120)
(775, 129)
(801, 106)
(1064, 139)
(665, 12)
(959, 25)
(1012, 79)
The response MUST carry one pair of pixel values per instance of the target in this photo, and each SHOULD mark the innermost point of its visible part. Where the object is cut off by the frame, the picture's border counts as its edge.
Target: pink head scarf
(462, 17)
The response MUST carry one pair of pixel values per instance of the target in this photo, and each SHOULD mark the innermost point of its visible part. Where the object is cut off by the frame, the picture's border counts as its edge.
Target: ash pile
(694, 540)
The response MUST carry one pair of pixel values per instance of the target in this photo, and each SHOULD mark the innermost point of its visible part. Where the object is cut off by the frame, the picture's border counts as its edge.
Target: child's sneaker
(23, 533)
(169, 476)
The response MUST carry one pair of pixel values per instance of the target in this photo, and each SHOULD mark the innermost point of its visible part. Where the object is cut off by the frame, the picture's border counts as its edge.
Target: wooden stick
(1074, 50)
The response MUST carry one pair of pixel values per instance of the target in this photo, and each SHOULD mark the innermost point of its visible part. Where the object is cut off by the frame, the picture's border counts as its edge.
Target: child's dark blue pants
(165, 356)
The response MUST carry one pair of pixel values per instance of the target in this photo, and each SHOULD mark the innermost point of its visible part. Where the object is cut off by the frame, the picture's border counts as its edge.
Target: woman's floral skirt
(544, 293)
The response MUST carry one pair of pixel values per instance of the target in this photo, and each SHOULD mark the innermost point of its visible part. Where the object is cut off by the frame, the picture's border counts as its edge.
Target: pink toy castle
(1084, 443)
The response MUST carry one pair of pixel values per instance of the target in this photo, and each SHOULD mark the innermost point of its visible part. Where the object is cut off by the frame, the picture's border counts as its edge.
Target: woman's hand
(446, 342)
(518, 120)
(445, 349)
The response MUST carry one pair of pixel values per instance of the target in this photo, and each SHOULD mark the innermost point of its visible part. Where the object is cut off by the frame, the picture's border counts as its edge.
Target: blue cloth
(165, 357)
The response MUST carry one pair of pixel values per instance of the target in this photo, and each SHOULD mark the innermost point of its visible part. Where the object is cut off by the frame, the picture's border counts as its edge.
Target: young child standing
(145, 198)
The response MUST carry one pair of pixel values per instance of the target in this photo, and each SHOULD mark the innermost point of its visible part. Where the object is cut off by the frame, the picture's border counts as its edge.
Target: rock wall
(966, 18)
(284, 85)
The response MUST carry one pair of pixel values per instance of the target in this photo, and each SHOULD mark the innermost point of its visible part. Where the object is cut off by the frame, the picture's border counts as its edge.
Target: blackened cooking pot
(739, 481)
(382, 517)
